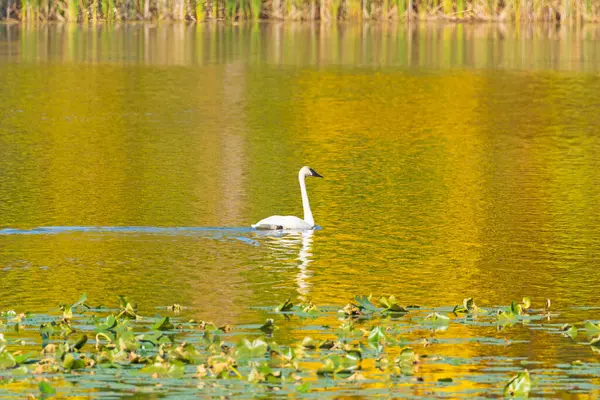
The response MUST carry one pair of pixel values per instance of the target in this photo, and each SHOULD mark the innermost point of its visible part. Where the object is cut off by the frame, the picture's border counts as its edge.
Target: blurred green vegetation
(299, 10)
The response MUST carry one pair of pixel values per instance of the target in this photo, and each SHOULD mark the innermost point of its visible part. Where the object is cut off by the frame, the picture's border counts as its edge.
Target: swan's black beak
(315, 173)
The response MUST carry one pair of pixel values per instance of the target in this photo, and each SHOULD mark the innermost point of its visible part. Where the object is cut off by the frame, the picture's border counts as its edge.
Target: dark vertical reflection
(539, 46)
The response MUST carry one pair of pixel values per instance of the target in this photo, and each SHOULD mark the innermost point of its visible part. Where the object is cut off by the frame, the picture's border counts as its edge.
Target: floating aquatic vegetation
(46, 389)
(306, 309)
(591, 328)
(388, 344)
(268, 327)
(286, 306)
(518, 386)
(436, 321)
(569, 330)
(176, 308)
(390, 305)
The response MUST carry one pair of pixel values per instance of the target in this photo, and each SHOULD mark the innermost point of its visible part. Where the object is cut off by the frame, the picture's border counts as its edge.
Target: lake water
(458, 161)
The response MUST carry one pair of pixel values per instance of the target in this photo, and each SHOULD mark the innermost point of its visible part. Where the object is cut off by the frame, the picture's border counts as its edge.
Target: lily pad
(285, 306)
(45, 389)
(338, 364)
(436, 320)
(71, 362)
(364, 303)
(249, 350)
(390, 305)
(7, 360)
(571, 332)
(518, 386)
(164, 370)
(163, 324)
(591, 328)
(268, 327)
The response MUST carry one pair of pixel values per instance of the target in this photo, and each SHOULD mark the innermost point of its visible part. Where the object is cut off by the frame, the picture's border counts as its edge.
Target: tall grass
(324, 10)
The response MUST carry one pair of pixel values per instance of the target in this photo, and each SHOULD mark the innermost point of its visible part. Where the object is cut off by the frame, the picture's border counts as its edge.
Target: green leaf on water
(285, 306)
(518, 386)
(152, 338)
(70, 362)
(45, 389)
(459, 310)
(445, 380)
(377, 335)
(20, 371)
(507, 317)
(247, 350)
(591, 328)
(338, 364)
(307, 309)
(354, 354)
(304, 388)
(68, 313)
(80, 302)
(21, 358)
(123, 301)
(406, 360)
(595, 341)
(351, 310)
(127, 341)
(309, 343)
(282, 356)
(565, 327)
(185, 353)
(127, 309)
(167, 370)
(364, 303)
(109, 324)
(264, 373)
(163, 325)
(468, 307)
(436, 319)
(80, 343)
(515, 308)
(7, 360)
(390, 305)
(268, 327)
(468, 304)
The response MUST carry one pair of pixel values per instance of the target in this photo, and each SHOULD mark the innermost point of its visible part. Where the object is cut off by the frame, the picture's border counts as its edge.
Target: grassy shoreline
(32, 11)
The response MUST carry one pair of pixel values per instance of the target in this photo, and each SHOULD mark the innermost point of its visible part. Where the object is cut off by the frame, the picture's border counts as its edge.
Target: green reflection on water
(539, 46)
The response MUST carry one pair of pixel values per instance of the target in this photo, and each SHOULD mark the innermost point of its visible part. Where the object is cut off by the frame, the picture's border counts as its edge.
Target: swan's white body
(283, 222)
(278, 222)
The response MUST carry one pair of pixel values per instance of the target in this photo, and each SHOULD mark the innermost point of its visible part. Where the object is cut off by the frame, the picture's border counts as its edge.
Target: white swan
(277, 222)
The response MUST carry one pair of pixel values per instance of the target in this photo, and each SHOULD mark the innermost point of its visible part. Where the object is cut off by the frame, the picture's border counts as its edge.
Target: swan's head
(308, 171)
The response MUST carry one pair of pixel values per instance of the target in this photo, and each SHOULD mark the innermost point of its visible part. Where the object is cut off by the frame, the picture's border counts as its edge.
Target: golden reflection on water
(459, 161)
(431, 176)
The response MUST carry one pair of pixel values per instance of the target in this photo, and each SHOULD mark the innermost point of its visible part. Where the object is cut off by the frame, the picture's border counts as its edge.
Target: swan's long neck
(305, 204)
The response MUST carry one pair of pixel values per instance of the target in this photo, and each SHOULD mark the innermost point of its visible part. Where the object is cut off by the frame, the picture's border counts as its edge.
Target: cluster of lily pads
(369, 344)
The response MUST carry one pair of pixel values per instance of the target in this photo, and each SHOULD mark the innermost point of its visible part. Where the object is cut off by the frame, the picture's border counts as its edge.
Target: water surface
(459, 161)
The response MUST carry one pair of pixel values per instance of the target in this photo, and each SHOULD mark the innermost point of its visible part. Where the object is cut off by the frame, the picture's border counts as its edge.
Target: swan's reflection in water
(304, 258)
(283, 245)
